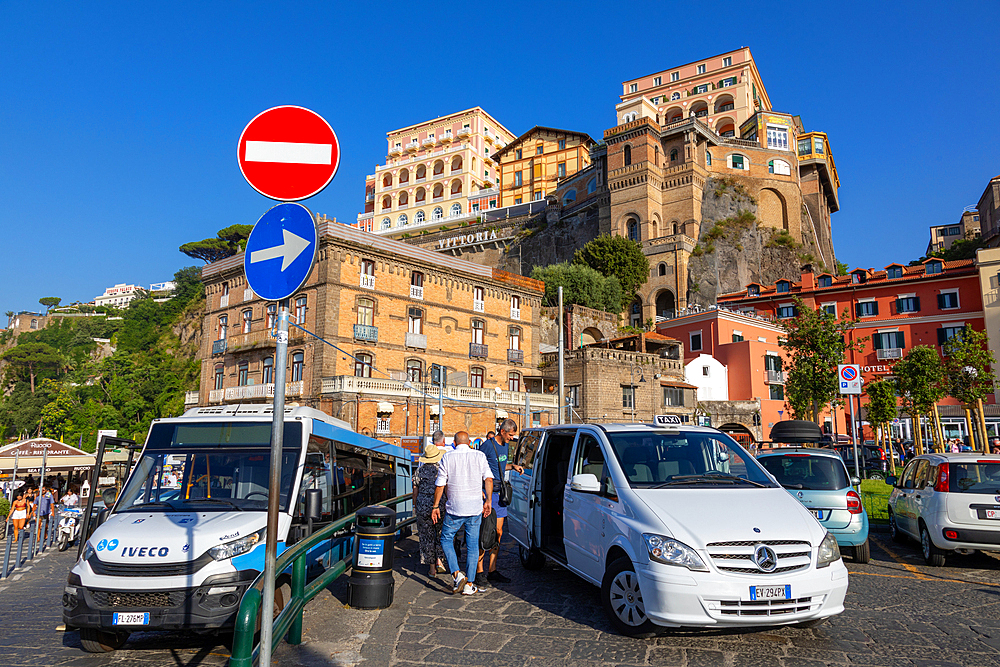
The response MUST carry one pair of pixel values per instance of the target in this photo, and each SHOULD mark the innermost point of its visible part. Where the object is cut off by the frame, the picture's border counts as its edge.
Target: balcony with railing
(446, 137)
(366, 332)
(454, 195)
(515, 356)
(479, 305)
(416, 390)
(478, 350)
(253, 391)
(219, 346)
(224, 301)
(381, 426)
(437, 198)
(515, 313)
(464, 132)
(775, 377)
(413, 146)
(191, 398)
(415, 340)
(429, 141)
(367, 281)
(417, 292)
(889, 353)
(216, 395)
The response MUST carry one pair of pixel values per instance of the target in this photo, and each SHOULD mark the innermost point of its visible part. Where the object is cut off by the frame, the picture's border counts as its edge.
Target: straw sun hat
(432, 453)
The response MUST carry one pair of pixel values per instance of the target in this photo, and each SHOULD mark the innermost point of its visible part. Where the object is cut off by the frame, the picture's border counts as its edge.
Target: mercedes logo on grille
(765, 558)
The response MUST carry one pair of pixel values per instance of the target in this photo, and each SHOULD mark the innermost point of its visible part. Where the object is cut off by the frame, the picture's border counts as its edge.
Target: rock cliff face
(548, 240)
(734, 249)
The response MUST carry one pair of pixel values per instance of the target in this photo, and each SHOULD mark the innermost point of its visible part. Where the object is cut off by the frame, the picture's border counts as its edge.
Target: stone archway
(591, 335)
(772, 209)
(666, 305)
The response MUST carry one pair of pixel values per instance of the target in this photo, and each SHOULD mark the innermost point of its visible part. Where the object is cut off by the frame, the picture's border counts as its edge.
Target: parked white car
(678, 525)
(949, 502)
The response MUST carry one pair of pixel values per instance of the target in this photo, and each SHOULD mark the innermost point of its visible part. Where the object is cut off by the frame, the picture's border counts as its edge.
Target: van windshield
(198, 480)
(653, 459)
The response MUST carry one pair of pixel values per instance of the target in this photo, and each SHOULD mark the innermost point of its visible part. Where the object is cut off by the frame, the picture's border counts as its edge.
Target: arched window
(404, 177)
(242, 373)
(421, 172)
(456, 164)
(297, 366)
(247, 317)
(592, 186)
(437, 213)
(708, 158)
(633, 230)
(478, 331)
(300, 310)
(267, 374)
(662, 269)
(515, 338)
(456, 187)
(456, 210)
(569, 197)
(476, 375)
(513, 381)
(438, 168)
(415, 320)
(414, 370)
(779, 167)
(387, 181)
(402, 220)
(386, 223)
(421, 195)
(438, 191)
(656, 155)
(404, 199)
(386, 203)
(220, 375)
(418, 218)
(673, 155)
(272, 313)
(223, 326)
(628, 155)
(675, 228)
(363, 365)
(737, 161)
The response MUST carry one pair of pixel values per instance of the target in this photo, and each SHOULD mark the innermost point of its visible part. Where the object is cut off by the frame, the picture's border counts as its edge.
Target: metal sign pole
(562, 379)
(854, 436)
(273, 490)
(94, 478)
(442, 377)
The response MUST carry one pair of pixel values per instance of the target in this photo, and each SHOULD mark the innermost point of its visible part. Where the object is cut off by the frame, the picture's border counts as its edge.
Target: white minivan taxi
(678, 525)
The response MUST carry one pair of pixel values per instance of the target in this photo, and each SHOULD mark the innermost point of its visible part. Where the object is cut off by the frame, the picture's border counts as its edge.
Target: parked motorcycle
(70, 520)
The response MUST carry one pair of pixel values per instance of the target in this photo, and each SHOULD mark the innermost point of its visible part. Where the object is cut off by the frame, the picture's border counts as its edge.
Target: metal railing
(889, 353)
(366, 332)
(219, 346)
(775, 377)
(478, 351)
(288, 623)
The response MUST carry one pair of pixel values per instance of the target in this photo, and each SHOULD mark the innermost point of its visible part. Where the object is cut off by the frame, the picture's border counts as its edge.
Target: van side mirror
(314, 504)
(103, 516)
(586, 483)
(892, 480)
(109, 496)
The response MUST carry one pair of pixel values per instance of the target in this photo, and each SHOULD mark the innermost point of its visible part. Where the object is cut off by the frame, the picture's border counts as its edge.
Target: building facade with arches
(431, 170)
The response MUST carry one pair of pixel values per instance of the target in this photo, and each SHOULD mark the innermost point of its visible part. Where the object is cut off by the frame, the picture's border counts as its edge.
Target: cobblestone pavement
(899, 612)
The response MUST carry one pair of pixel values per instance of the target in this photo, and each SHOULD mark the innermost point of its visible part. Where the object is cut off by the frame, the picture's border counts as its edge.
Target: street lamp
(632, 370)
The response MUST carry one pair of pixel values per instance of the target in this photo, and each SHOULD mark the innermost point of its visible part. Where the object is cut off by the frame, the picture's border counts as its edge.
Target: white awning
(385, 407)
(433, 409)
(501, 414)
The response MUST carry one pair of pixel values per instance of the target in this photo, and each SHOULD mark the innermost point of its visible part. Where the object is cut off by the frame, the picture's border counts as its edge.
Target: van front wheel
(623, 602)
(100, 641)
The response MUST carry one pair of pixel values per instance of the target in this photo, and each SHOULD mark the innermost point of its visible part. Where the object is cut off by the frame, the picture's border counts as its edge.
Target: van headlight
(88, 551)
(671, 552)
(236, 547)
(829, 552)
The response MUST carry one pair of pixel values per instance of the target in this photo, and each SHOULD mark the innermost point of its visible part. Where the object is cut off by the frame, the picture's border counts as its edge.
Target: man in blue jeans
(463, 471)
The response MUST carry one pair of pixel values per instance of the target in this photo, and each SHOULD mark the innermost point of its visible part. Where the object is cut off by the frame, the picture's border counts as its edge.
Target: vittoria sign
(469, 239)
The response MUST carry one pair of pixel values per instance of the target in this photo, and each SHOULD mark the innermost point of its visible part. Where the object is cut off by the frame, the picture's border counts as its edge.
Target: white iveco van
(679, 526)
(185, 537)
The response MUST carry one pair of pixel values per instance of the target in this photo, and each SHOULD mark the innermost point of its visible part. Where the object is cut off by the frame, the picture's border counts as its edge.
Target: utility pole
(562, 379)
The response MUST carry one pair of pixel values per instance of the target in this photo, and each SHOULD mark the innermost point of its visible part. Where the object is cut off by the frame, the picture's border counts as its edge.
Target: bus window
(316, 475)
(382, 481)
(349, 478)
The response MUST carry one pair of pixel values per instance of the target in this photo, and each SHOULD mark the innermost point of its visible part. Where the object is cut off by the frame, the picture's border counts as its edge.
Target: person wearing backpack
(497, 454)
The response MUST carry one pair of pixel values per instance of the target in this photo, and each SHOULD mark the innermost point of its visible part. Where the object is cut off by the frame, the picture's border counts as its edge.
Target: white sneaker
(460, 583)
(469, 589)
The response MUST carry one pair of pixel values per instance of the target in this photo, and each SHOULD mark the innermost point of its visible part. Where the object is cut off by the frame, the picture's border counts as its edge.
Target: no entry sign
(288, 153)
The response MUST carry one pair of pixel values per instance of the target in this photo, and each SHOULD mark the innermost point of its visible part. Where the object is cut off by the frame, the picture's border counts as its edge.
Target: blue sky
(119, 120)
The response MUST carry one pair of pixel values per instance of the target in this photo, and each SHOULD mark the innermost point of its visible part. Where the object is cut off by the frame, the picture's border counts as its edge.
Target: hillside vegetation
(59, 382)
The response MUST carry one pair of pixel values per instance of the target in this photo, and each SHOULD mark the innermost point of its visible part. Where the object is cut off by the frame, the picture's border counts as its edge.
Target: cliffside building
(532, 164)
(943, 236)
(431, 170)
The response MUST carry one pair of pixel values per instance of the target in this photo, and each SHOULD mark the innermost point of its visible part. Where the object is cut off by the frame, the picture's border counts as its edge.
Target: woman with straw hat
(429, 533)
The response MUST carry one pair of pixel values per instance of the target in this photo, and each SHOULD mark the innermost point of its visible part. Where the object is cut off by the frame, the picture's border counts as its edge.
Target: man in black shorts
(497, 455)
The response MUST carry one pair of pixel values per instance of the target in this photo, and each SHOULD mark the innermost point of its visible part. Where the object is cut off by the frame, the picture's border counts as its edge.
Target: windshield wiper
(710, 476)
(214, 500)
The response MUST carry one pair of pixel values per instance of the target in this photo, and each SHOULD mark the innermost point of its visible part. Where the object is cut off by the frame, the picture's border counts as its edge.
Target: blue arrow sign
(281, 251)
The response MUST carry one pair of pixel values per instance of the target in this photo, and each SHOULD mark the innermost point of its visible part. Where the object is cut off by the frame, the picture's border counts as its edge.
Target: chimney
(808, 278)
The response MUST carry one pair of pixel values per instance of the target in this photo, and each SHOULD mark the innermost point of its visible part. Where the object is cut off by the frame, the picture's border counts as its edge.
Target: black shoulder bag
(506, 491)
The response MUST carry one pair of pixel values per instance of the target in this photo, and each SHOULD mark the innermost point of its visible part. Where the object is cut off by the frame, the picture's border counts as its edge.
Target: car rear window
(803, 471)
(975, 477)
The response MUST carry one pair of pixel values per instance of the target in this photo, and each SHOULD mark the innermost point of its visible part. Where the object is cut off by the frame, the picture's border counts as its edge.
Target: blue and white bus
(185, 537)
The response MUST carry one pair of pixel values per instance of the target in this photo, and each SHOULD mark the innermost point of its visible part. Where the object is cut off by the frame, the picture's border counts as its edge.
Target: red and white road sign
(288, 153)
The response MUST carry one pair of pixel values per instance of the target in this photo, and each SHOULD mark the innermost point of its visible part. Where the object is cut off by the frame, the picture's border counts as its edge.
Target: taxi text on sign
(288, 153)
(849, 378)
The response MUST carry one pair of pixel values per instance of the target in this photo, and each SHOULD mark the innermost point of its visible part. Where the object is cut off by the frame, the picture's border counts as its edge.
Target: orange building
(533, 164)
(736, 363)
(897, 308)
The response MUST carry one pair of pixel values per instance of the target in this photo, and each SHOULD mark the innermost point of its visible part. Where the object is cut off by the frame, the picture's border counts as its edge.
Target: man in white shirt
(464, 471)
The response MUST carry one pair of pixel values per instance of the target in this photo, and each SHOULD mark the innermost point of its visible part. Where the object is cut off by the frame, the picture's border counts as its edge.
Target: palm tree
(10, 317)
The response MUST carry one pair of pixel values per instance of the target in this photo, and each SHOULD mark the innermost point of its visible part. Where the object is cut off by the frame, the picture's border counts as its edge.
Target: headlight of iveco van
(670, 551)
(829, 552)
(236, 547)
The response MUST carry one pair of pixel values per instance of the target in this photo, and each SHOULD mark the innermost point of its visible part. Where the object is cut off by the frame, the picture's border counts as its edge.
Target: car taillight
(854, 503)
(951, 534)
(882, 451)
(942, 480)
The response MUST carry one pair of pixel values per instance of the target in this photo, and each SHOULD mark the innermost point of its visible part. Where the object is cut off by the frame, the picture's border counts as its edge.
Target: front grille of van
(141, 570)
(140, 599)
(737, 556)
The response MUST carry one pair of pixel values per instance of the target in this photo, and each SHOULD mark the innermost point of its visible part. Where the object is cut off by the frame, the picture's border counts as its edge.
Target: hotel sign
(462, 240)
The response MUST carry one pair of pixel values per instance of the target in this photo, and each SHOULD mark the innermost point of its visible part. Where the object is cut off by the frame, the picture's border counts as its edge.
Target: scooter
(69, 526)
